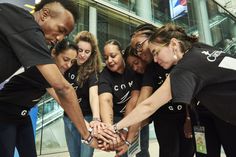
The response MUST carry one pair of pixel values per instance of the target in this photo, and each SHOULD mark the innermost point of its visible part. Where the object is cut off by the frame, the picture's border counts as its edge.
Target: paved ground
(153, 149)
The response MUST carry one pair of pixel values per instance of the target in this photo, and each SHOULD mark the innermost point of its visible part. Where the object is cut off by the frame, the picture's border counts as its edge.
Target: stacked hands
(107, 138)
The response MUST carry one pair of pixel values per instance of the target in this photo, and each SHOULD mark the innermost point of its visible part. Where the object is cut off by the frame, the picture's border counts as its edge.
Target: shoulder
(15, 20)
(105, 72)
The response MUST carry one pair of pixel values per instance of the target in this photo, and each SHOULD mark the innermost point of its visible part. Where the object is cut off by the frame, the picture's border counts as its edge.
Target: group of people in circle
(163, 76)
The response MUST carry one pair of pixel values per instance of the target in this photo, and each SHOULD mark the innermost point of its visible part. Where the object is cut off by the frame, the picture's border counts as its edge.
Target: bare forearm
(133, 131)
(53, 94)
(94, 101)
(106, 107)
(130, 106)
(146, 91)
(107, 115)
(66, 96)
(95, 110)
(70, 104)
(148, 107)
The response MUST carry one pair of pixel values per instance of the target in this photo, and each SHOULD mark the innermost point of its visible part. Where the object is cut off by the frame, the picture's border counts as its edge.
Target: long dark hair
(64, 45)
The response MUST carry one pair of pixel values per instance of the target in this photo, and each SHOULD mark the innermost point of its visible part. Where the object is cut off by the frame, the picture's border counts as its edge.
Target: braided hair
(144, 29)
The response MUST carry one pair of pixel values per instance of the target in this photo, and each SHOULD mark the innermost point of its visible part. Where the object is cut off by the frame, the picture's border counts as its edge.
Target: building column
(202, 21)
(93, 20)
(144, 9)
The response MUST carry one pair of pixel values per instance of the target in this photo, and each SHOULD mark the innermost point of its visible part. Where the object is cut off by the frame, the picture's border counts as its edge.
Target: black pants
(169, 129)
(217, 133)
(19, 135)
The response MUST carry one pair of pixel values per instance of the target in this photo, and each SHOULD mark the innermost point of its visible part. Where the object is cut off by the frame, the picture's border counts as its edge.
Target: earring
(175, 56)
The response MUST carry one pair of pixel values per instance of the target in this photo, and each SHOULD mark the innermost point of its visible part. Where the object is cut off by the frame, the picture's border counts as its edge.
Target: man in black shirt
(23, 42)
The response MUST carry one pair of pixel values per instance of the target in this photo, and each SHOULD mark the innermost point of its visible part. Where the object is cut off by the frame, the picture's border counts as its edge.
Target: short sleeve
(30, 47)
(104, 85)
(183, 85)
(137, 82)
(148, 78)
(93, 80)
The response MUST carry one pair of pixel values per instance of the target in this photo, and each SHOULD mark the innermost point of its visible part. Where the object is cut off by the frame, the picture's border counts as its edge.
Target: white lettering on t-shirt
(74, 86)
(116, 88)
(122, 86)
(123, 109)
(72, 76)
(125, 98)
(211, 57)
(228, 63)
(130, 83)
(160, 80)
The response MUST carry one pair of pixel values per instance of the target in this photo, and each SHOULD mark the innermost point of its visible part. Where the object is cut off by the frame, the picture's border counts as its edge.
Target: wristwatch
(88, 141)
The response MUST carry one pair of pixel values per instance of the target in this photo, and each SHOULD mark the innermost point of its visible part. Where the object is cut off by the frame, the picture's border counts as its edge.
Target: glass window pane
(50, 136)
(113, 26)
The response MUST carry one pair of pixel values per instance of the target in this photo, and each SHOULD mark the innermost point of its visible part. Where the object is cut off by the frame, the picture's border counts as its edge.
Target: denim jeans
(144, 140)
(73, 140)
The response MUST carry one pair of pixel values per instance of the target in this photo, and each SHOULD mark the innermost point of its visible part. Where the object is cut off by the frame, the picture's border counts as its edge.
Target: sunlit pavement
(153, 149)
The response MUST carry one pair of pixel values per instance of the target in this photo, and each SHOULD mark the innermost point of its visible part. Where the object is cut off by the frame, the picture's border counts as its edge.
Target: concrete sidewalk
(153, 149)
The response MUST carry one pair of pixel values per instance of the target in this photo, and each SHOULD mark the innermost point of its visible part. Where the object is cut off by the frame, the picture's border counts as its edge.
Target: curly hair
(94, 62)
(69, 5)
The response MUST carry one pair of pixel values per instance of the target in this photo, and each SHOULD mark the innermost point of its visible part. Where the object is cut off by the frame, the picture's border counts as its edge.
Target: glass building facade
(117, 19)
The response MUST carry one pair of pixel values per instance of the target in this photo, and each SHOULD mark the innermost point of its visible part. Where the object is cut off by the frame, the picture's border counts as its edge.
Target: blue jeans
(73, 140)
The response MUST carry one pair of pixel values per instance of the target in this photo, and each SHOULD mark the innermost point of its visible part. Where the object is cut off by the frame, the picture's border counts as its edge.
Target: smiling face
(65, 59)
(55, 21)
(84, 52)
(136, 64)
(113, 58)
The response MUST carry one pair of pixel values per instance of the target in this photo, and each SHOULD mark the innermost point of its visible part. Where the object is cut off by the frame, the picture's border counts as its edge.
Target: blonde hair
(94, 62)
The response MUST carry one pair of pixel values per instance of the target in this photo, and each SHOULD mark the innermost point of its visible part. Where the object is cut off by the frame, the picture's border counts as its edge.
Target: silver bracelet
(126, 129)
(96, 119)
(115, 128)
(89, 140)
(127, 143)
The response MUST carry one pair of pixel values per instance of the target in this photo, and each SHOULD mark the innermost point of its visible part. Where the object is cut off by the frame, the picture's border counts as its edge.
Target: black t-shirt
(154, 76)
(21, 93)
(120, 86)
(82, 92)
(208, 75)
(22, 42)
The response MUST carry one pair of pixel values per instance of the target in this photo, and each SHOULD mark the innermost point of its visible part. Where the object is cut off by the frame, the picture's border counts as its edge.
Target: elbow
(62, 88)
